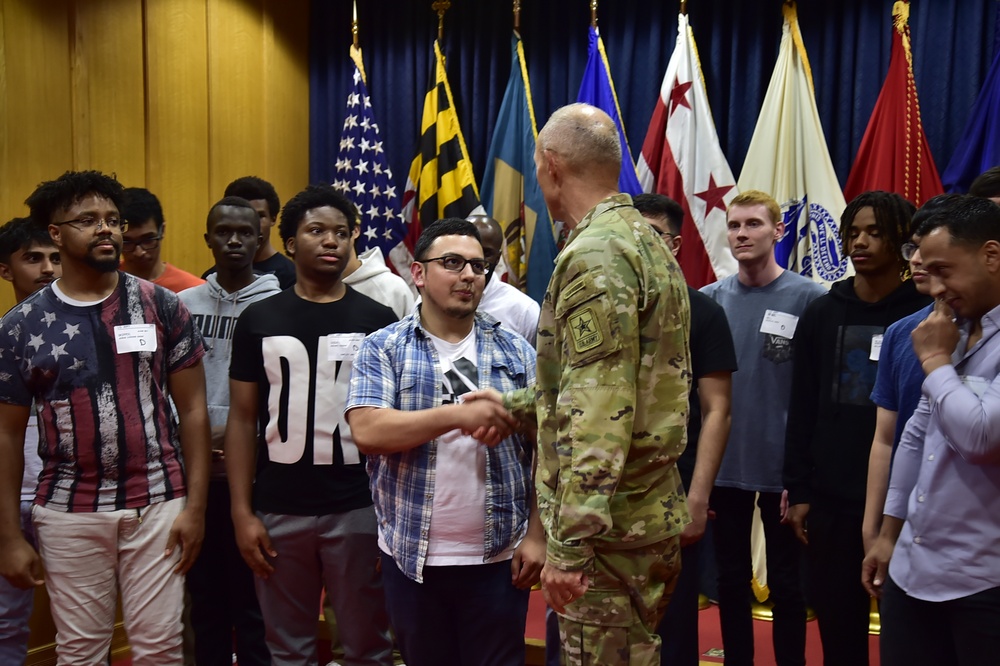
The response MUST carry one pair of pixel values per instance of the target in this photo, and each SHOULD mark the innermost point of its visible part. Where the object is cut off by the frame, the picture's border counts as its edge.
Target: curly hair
(53, 196)
(314, 196)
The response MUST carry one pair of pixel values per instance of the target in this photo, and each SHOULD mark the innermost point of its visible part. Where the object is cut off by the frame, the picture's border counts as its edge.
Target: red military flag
(894, 155)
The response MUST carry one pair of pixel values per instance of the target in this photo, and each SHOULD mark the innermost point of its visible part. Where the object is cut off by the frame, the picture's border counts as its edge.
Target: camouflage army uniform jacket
(611, 397)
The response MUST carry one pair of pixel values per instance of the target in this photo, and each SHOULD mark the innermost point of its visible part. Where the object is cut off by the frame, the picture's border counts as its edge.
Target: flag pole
(593, 13)
(684, 7)
(441, 6)
(517, 16)
(354, 24)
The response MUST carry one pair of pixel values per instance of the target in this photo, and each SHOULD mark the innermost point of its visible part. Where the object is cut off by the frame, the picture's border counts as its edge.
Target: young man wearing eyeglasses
(141, 242)
(301, 507)
(461, 540)
(120, 502)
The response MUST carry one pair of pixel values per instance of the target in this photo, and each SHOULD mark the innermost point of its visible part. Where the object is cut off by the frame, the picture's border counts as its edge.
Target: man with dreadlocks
(831, 418)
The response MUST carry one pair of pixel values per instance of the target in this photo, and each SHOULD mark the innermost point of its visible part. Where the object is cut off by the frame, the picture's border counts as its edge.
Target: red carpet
(710, 636)
(709, 632)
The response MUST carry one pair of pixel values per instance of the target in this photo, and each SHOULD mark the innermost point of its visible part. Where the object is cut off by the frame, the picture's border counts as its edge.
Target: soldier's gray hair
(584, 137)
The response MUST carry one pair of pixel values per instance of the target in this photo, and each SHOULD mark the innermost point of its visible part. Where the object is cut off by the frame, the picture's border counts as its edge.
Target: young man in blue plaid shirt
(458, 527)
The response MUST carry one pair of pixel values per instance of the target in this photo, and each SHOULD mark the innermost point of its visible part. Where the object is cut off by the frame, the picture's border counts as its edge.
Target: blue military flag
(979, 147)
(598, 90)
(510, 192)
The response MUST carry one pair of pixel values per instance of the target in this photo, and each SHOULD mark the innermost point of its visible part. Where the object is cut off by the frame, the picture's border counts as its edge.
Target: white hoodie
(374, 279)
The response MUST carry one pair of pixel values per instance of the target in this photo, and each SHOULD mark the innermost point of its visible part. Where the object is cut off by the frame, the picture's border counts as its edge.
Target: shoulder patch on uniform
(586, 332)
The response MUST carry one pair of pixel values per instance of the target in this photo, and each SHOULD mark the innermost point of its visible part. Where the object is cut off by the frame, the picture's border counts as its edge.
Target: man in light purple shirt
(940, 536)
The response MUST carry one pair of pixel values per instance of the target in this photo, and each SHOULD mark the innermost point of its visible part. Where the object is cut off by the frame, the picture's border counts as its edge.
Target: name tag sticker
(135, 338)
(977, 385)
(876, 347)
(343, 346)
(781, 324)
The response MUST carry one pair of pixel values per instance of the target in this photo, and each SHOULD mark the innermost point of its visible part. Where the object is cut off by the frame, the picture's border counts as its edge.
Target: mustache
(112, 240)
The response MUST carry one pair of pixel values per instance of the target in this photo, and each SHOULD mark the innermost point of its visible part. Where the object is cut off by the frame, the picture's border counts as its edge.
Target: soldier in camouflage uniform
(611, 403)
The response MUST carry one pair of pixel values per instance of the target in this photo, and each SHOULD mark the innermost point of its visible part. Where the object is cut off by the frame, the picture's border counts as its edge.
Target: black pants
(460, 615)
(842, 605)
(734, 515)
(679, 627)
(960, 632)
(223, 599)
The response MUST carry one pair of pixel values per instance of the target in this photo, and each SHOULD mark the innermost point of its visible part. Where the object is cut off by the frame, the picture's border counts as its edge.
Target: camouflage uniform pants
(614, 623)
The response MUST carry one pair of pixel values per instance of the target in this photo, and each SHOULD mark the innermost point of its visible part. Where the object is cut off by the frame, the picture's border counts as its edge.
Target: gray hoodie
(215, 311)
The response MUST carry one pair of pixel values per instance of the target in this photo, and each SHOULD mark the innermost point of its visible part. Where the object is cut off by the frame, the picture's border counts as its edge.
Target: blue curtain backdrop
(848, 44)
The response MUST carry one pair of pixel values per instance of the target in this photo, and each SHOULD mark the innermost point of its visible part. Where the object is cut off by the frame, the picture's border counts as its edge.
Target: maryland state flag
(979, 147)
(894, 155)
(788, 158)
(597, 89)
(440, 183)
(511, 193)
(682, 159)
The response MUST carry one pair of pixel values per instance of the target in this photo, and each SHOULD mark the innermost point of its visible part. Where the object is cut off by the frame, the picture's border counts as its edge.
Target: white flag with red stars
(681, 158)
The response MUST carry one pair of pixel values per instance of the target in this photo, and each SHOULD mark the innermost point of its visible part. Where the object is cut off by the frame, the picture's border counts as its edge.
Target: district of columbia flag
(363, 174)
(681, 158)
(597, 89)
(511, 194)
(441, 183)
(979, 147)
(788, 158)
(894, 155)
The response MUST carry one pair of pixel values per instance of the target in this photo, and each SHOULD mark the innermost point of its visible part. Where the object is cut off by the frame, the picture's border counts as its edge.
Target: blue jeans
(460, 615)
(15, 607)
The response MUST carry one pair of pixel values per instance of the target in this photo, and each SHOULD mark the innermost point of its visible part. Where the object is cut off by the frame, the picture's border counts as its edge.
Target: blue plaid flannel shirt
(398, 368)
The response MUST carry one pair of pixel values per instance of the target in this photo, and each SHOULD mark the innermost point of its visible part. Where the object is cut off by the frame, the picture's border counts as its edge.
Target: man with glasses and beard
(461, 539)
(121, 498)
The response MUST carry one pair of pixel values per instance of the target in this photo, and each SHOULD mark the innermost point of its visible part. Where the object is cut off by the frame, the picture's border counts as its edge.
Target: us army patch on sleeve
(586, 332)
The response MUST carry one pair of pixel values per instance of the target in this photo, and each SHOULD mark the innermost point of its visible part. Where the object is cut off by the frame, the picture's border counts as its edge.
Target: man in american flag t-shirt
(121, 498)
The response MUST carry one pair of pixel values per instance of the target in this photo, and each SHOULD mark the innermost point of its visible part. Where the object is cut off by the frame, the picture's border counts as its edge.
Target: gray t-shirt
(762, 385)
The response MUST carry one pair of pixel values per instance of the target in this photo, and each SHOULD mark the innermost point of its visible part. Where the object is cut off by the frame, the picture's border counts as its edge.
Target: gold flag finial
(593, 13)
(517, 15)
(354, 24)
(441, 6)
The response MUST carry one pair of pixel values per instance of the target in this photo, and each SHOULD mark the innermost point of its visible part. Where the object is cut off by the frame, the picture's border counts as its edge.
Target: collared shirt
(398, 368)
(946, 477)
(612, 395)
(512, 307)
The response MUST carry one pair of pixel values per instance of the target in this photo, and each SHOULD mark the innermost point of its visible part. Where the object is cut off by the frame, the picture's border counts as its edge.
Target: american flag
(363, 173)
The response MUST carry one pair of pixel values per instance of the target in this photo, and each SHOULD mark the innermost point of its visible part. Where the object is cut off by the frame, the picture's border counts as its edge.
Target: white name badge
(781, 324)
(135, 338)
(876, 347)
(977, 385)
(343, 346)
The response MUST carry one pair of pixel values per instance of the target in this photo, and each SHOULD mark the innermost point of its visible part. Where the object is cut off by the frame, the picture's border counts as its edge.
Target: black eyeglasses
(146, 243)
(456, 263)
(908, 250)
(87, 223)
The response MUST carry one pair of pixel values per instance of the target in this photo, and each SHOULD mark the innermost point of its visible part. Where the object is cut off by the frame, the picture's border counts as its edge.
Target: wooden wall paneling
(177, 130)
(236, 92)
(286, 107)
(109, 90)
(35, 104)
(39, 142)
